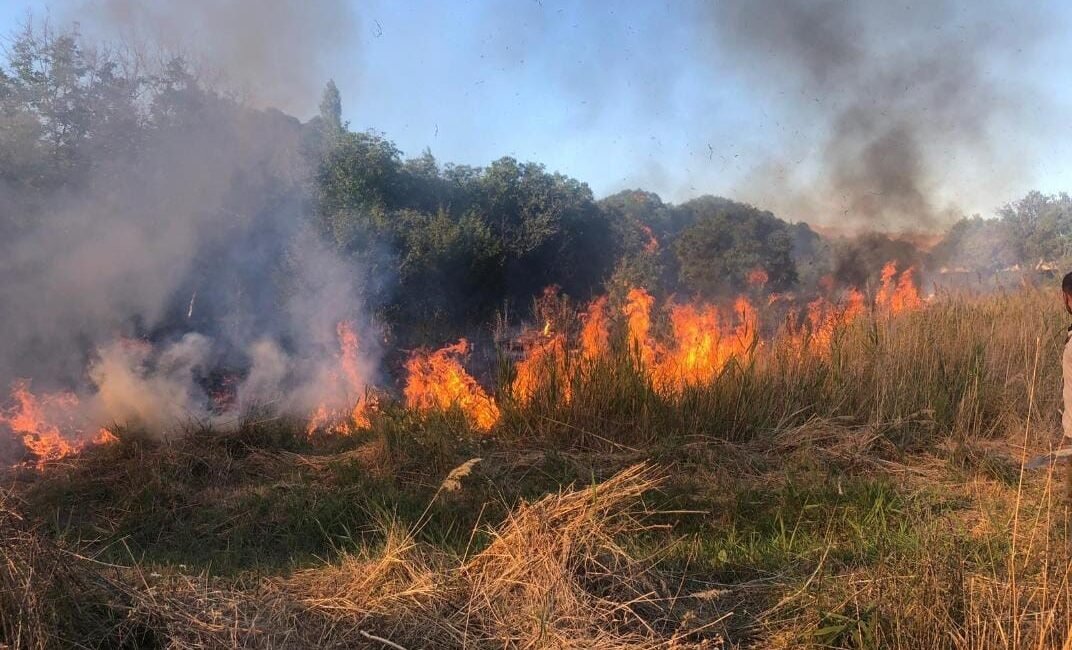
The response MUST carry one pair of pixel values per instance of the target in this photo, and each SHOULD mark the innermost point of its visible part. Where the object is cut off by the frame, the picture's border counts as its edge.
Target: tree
(726, 241)
(977, 244)
(357, 184)
(63, 111)
(1040, 226)
(331, 111)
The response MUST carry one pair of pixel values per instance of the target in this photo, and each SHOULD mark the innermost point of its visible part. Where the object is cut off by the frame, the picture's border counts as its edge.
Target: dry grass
(555, 575)
(869, 498)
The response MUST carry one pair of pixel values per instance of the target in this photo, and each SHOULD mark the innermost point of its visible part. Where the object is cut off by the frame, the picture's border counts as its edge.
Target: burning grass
(868, 496)
(674, 349)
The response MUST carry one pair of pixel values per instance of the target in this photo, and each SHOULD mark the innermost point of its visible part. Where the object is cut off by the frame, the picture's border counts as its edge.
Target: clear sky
(625, 94)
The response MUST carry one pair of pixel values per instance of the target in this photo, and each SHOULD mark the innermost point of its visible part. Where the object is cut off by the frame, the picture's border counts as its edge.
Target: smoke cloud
(276, 53)
(182, 262)
(897, 95)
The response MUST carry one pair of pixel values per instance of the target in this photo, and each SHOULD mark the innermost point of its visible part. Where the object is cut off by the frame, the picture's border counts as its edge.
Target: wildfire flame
(652, 245)
(544, 360)
(897, 294)
(824, 318)
(595, 331)
(349, 386)
(437, 381)
(757, 277)
(40, 422)
(702, 345)
(700, 341)
(637, 310)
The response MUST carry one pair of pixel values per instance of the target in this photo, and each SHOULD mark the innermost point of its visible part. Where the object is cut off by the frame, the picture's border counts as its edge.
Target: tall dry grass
(943, 404)
(960, 367)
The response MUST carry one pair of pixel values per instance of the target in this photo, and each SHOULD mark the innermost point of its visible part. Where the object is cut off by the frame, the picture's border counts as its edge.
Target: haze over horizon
(807, 109)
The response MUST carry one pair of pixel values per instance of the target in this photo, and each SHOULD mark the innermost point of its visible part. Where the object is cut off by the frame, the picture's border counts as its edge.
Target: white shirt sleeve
(1066, 372)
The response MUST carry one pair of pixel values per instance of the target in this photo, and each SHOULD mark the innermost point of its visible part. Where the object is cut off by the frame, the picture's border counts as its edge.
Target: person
(1066, 378)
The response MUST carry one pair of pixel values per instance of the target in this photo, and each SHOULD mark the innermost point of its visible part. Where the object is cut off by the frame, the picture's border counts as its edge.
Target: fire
(823, 317)
(694, 357)
(898, 294)
(906, 296)
(319, 419)
(703, 345)
(349, 386)
(637, 312)
(543, 363)
(855, 305)
(652, 245)
(437, 381)
(354, 384)
(700, 341)
(700, 346)
(103, 437)
(595, 332)
(40, 422)
(886, 288)
(757, 277)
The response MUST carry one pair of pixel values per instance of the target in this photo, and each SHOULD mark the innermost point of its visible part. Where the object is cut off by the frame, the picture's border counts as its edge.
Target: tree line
(449, 246)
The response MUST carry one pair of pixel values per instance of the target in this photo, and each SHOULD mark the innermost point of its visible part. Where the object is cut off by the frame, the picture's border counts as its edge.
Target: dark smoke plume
(901, 98)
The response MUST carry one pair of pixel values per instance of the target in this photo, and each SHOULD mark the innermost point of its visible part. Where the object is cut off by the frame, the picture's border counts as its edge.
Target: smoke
(154, 389)
(150, 275)
(899, 96)
(276, 53)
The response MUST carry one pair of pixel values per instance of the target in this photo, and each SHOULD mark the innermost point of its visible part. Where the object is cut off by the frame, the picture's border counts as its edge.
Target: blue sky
(630, 94)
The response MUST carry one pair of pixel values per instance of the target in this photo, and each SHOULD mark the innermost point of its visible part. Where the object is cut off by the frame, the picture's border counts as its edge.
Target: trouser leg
(1068, 479)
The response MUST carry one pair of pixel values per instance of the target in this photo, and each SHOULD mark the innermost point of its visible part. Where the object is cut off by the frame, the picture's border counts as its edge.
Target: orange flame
(822, 321)
(38, 421)
(855, 305)
(694, 356)
(349, 385)
(652, 245)
(437, 381)
(637, 310)
(543, 362)
(595, 332)
(757, 277)
(898, 294)
(701, 345)
(906, 297)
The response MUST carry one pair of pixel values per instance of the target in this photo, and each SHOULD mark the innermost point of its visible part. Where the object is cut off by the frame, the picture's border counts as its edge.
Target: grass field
(868, 496)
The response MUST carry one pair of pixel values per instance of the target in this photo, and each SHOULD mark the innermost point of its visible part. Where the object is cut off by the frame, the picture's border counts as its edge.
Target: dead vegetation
(554, 575)
(871, 498)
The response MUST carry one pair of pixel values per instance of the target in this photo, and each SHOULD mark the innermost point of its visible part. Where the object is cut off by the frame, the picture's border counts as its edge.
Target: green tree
(726, 241)
(357, 184)
(977, 244)
(1040, 226)
(331, 110)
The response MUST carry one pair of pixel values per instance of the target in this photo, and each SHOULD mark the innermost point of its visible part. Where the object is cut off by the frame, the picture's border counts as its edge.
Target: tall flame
(694, 357)
(702, 344)
(543, 363)
(652, 245)
(637, 310)
(898, 294)
(349, 386)
(437, 381)
(595, 331)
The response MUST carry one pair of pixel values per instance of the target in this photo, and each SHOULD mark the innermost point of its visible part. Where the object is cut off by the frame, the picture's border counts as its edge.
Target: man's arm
(1066, 392)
